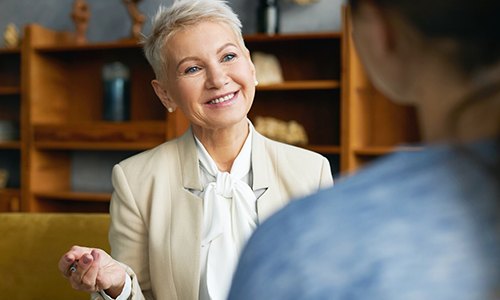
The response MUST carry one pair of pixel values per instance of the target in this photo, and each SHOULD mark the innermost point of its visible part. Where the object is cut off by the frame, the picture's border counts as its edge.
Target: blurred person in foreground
(181, 212)
(418, 225)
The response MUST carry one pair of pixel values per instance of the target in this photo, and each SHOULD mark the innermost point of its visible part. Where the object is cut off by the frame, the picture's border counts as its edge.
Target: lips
(222, 99)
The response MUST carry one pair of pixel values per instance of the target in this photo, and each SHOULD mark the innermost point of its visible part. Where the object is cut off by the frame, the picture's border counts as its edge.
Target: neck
(457, 108)
(223, 144)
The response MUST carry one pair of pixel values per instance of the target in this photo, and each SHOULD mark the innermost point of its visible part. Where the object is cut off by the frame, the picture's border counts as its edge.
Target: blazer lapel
(188, 156)
(265, 177)
(187, 219)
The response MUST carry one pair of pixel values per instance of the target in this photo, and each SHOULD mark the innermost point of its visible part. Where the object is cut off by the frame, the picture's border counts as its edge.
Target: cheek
(184, 93)
(245, 74)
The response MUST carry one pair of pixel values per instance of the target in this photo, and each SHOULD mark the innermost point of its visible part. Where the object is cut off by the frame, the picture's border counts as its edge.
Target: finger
(70, 257)
(77, 278)
(89, 278)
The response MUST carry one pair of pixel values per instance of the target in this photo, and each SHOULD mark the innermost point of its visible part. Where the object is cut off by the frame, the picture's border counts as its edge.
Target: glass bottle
(268, 17)
(116, 78)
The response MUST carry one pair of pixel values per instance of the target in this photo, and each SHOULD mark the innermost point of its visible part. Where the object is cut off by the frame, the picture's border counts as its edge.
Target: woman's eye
(191, 70)
(229, 57)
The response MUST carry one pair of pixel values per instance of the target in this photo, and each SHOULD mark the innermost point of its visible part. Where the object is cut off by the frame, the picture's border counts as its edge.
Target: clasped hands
(92, 270)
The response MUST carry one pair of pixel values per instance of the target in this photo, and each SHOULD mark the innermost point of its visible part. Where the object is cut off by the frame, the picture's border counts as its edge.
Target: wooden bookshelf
(53, 88)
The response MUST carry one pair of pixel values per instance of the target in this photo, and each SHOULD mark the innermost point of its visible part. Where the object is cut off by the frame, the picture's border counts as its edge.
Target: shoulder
(292, 155)
(157, 157)
(407, 210)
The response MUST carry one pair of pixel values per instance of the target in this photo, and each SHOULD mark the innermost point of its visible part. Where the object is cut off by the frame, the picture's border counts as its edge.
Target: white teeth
(222, 99)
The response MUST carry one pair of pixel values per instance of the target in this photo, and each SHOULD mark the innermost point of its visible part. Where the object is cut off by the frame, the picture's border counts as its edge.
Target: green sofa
(31, 245)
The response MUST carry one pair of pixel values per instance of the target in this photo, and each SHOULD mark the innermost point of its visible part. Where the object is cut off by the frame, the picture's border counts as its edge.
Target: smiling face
(209, 76)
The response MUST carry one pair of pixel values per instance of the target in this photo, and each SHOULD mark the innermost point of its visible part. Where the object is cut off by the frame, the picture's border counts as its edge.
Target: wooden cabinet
(65, 117)
(11, 147)
(372, 125)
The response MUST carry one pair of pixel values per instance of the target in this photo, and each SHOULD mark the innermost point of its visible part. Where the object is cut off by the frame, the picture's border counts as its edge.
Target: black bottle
(268, 17)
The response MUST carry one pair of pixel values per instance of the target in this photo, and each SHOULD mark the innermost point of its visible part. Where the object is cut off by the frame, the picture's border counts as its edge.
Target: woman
(182, 211)
(420, 225)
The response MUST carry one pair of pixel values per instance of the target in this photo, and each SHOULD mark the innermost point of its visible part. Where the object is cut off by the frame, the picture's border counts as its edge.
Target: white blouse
(230, 217)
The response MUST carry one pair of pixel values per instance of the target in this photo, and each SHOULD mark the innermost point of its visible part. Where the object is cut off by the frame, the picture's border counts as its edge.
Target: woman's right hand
(94, 271)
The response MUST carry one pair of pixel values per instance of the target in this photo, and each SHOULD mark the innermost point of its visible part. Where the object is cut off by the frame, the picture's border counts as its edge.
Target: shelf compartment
(100, 135)
(318, 111)
(300, 85)
(10, 200)
(71, 78)
(302, 56)
(10, 69)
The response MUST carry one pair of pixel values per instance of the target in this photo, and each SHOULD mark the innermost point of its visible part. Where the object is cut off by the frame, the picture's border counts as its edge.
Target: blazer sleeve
(128, 235)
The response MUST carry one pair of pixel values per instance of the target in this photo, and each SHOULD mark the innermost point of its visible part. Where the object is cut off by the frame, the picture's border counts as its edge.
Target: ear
(163, 95)
(372, 24)
(383, 46)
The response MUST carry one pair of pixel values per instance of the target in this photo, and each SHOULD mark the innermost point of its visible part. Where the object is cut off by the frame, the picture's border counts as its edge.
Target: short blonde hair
(182, 14)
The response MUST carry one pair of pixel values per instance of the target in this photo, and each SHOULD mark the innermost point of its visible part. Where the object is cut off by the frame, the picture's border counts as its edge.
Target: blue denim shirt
(415, 225)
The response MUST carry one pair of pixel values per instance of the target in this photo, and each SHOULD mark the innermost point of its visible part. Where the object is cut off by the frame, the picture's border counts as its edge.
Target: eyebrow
(219, 50)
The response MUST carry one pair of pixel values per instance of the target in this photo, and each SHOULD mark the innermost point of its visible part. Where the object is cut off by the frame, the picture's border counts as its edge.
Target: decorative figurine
(305, 2)
(11, 36)
(267, 68)
(290, 132)
(137, 17)
(4, 176)
(80, 16)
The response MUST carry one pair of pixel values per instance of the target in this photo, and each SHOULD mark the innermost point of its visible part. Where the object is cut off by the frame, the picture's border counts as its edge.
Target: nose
(216, 76)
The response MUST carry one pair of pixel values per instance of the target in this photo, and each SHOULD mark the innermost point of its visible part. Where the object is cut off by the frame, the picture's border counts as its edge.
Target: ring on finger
(73, 267)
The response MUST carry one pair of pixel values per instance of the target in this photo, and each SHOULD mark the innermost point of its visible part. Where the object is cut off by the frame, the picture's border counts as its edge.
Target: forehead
(201, 37)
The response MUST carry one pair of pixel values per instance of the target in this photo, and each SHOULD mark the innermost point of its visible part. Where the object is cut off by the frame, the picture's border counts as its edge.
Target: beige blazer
(156, 221)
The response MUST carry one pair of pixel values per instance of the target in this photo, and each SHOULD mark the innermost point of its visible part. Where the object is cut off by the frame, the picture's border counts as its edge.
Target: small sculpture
(287, 132)
(11, 36)
(4, 176)
(267, 68)
(305, 2)
(137, 17)
(80, 16)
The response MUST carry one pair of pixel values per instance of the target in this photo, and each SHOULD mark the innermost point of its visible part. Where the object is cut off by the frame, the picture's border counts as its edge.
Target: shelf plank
(47, 145)
(292, 36)
(10, 90)
(74, 196)
(6, 50)
(300, 85)
(10, 145)
(130, 44)
(100, 135)
(74, 47)
(10, 191)
(383, 150)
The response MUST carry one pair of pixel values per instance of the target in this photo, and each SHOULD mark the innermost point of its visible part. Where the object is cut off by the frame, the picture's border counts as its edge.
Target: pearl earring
(256, 82)
(170, 109)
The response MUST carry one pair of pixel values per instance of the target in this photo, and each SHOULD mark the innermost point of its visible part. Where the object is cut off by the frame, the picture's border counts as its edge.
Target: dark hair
(475, 28)
(473, 25)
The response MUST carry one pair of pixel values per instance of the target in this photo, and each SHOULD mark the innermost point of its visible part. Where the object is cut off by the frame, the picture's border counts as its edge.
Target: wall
(110, 21)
